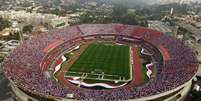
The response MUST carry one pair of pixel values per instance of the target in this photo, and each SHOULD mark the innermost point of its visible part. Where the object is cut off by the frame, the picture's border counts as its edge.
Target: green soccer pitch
(103, 60)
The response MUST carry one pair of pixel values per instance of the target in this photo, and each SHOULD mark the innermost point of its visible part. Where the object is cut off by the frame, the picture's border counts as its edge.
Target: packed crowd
(25, 69)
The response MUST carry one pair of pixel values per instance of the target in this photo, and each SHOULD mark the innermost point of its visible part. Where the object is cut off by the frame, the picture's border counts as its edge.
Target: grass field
(107, 59)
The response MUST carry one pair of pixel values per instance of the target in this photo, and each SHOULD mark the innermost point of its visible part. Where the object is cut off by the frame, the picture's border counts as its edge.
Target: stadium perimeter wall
(179, 96)
(199, 71)
(20, 94)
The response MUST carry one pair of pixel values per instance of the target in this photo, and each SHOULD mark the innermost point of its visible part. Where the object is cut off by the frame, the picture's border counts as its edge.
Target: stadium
(101, 62)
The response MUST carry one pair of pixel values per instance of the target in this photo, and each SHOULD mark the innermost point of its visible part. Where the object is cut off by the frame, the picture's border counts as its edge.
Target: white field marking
(131, 63)
(90, 73)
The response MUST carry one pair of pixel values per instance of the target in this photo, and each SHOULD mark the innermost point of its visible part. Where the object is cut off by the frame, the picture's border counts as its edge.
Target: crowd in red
(24, 66)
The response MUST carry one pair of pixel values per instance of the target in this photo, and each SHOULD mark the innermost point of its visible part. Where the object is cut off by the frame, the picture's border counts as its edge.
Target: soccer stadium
(101, 62)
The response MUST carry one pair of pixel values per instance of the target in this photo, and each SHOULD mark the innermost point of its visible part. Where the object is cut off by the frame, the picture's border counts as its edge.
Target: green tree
(118, 12)
(86, 18)
(196, 96)
(4, 23)
(27, 29)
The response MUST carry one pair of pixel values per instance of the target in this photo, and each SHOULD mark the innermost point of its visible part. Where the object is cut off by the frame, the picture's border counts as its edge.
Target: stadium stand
(33, 57)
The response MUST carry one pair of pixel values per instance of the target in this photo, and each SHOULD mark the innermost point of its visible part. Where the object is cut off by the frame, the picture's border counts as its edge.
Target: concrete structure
(159, 26)
(33, 18)
(174, 88)
(177, 94)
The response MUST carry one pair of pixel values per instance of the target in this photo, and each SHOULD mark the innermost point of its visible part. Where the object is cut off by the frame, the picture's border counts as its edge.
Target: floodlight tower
(171, 11)
(18, 27)
(21, 32)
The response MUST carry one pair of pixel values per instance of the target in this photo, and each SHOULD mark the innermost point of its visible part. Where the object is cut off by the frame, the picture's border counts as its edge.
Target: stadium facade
(26, 65)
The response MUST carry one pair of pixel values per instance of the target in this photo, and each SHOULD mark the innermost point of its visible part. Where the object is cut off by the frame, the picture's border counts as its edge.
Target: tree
(27, 29)
(4, 23)
(14, 36)
(118, 12)
(86, 18)
(196, 96)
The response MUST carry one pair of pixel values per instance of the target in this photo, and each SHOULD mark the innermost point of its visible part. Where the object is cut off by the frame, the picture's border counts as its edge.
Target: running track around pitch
(137, 70)
(63, 71)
